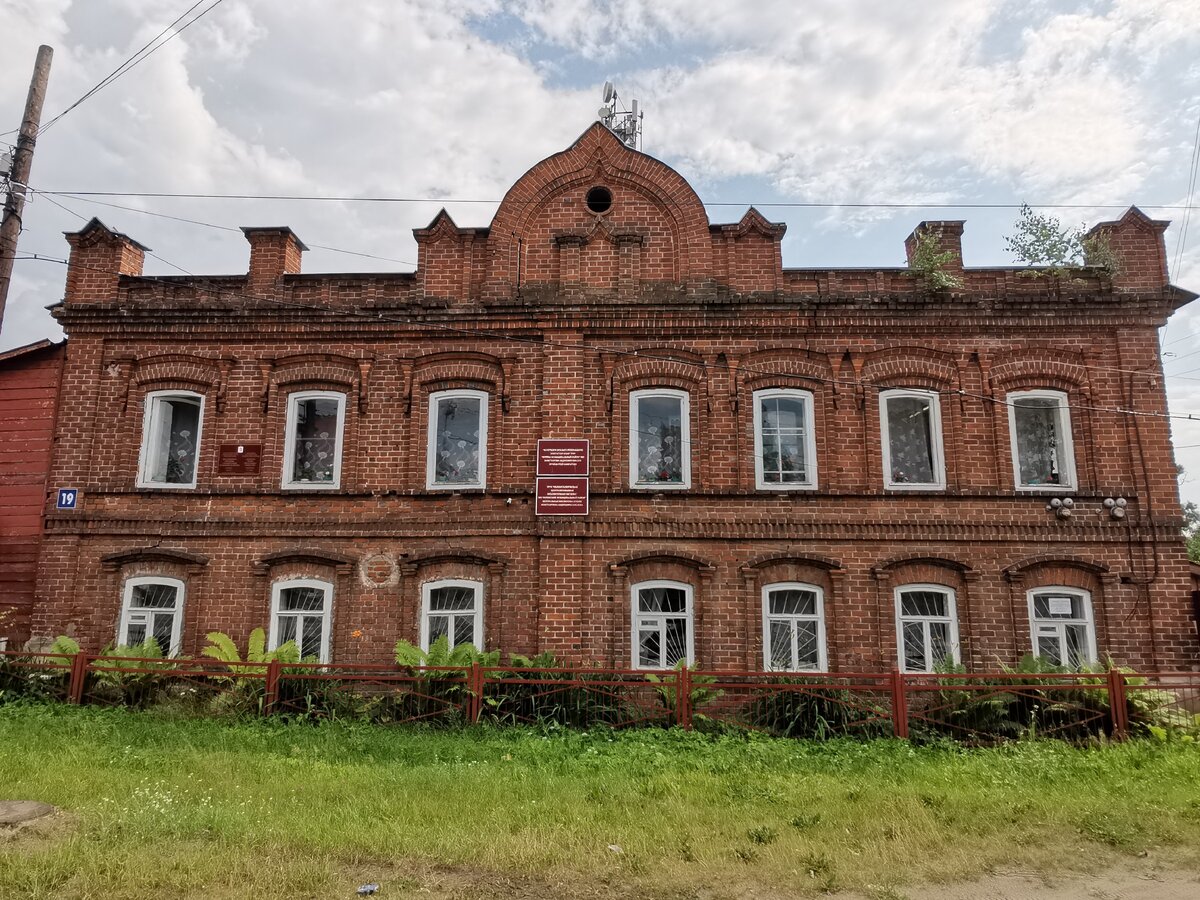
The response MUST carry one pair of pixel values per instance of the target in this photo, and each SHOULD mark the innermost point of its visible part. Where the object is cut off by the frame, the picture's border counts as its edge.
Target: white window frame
(768, 617)
(685, 438)
(1088, 619)
(939, 459)
(1066, 456)
(951, 617)
(289, 445)
(636, 616)
(150, 405)
(427, 590)
(435, 399)
(277, 590)
(126, 611)
(810, 440)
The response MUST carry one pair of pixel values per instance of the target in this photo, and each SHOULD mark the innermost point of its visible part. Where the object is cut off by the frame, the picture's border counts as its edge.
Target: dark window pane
(662, 599)
(1077, 646)
(438, 625)
(135, 634)
(1058, 606)
(153, 596)
(457, 441)
(452, 598)
(310, 642)
(464, 630)
(307, 599)
(781, 645)
(939, 640)
(910, 440)
(808, 655)
(792, 602)
(782, 440)
(287, 629)
(914, 647)
(1050, 649)
(924, 603)
(316, 440)
(676, 649)
(1038, 439)
(650, 647)
(164, 624)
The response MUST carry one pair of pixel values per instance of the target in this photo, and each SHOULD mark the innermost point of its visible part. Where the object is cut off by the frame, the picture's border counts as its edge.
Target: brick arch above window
(765, 560)
(177, 370)
(192, 562)
(453, 370)
(417, 561)
(316, 371)
(782, 368)
(1034, 368)
(303, 557)
(664, 557)
(910, 367)
(1053, 569)
(894, 563)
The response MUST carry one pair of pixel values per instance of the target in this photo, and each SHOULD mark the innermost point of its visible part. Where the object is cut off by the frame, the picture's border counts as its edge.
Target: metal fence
(971, 708)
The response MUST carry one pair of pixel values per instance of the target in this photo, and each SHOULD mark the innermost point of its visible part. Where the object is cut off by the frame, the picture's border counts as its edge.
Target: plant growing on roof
(1057, 250)
(930, 262)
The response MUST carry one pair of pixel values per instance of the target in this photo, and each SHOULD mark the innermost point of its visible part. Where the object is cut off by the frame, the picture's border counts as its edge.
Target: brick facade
(558, 314)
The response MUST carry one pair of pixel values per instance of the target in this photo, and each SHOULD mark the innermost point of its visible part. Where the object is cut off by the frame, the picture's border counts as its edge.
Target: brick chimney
(99, 257)
(949, 237)
(274, 252)
(1141, 250)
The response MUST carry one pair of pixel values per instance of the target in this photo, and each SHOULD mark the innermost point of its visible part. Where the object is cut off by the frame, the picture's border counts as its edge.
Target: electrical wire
(790, 204)
(381, 316)
(145, 52)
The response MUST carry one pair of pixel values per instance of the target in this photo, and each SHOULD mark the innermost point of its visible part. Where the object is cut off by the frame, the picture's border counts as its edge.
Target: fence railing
(975, 708)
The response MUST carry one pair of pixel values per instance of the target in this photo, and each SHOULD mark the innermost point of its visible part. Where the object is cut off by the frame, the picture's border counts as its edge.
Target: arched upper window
(785, 447)
(910, 424)
(152, 607)
(170, 439)
(1060, 621)
(660, 442)
(312, 456)
(926, 627)
(456, 455)
(793, 627)
(1040, 430)
(301, 610)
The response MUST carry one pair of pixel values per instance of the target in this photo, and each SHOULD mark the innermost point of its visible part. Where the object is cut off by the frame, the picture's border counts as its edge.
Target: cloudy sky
(941, 102)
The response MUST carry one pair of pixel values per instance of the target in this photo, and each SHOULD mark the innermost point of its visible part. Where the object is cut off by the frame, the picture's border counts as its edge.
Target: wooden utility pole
(18, 178)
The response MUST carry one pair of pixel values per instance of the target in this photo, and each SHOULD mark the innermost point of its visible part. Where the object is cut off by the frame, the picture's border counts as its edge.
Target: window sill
(317, 488)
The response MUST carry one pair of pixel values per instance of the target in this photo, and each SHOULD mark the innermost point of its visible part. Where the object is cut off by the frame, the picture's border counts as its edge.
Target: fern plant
(442, 655)
(223, 649)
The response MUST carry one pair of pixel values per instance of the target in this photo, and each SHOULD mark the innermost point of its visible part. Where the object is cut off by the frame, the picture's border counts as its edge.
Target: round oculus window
(599, 200)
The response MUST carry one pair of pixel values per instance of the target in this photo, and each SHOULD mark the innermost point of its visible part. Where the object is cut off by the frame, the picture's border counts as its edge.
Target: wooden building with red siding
(29, 378)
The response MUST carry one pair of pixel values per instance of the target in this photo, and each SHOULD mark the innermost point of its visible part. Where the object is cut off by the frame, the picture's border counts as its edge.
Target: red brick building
(29, 378)
(793, 468)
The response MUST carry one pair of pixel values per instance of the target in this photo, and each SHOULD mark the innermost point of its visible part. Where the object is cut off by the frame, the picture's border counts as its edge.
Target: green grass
(177, 808)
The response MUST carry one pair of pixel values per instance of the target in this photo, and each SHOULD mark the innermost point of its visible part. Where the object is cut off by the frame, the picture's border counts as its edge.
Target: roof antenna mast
(624, 123)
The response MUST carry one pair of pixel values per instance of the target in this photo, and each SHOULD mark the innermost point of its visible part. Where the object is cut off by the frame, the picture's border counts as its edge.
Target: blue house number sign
(67, 498)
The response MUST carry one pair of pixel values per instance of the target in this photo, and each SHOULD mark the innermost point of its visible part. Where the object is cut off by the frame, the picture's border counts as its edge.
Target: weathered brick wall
(558, 314)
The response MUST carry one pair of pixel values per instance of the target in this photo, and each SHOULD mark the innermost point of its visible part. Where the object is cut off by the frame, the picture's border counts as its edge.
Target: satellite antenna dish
(604, 112)
(608, 91)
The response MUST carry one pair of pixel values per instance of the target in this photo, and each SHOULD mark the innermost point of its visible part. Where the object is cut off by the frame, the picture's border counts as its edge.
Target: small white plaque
(1060, 606)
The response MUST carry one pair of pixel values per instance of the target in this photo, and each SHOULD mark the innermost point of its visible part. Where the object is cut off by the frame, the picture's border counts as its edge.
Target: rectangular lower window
(302, 614)
(1061, 623)
(927, 627)
(313, 451)
(453, 610)
(662, 625)
(793, 616)
(911, 427)
(170, 439)
(152, 609)
(1040, 427)
(659, 439)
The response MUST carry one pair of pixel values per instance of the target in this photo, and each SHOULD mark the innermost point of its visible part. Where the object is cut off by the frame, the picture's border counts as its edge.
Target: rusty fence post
(79, 667)
(899, 705)
(271, 687)
(683, 697)
(474, 692)
(1118, 704)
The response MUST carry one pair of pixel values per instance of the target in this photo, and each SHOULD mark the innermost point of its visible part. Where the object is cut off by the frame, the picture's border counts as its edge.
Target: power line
(145, 212)
(145, 52)
(382, 316)
(792, 204)
(1181, 238)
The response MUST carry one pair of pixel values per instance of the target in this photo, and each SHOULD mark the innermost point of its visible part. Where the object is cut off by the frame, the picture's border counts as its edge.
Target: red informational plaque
(562, 497)
(238, 459)
(563, 458)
